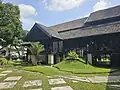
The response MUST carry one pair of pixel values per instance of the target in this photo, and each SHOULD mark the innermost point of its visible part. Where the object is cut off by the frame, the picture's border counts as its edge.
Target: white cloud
(61, 5)
(27, 23)
(101, 4)
(27, 15)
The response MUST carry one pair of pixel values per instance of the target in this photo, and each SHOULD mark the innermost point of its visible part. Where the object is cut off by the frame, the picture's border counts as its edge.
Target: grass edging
(85, 73)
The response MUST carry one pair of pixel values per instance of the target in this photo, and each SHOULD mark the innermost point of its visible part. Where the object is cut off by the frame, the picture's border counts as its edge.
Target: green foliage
(36, 48)
(3, 61)
(0, 1)
(17, 42)
(23, 34)
(72, 55)
(10, 24)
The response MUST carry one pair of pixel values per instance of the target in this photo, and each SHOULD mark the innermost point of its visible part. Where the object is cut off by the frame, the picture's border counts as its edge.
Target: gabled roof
(48, 31)
(104, 14)
(69, 25)
(34, 33)
(77, 28)
(92, 31)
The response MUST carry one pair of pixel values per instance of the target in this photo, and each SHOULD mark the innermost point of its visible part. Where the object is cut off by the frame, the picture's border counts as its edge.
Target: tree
(0, 1)
(36, 48)
(17, 43)
(10, 24)
(23, 34)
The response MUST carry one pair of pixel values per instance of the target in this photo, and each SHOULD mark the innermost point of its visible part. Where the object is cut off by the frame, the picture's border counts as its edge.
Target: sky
(52, 12)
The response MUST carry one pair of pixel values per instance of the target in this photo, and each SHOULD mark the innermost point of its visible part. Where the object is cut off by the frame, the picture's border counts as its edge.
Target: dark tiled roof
(48, 31)
(76, 28)
(69, 25)
(91, 31)
(104, 14)
(34, 33)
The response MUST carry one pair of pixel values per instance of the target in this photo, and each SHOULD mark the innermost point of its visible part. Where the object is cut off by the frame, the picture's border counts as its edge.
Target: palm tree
(36, 48)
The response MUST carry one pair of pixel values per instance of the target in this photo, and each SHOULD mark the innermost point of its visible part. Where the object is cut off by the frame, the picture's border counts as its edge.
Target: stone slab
(76, 78)
(62, 88)
(6, 85)
(49, 76)
(97, 80)
(7, 71)
(2, 75)
(15, 78)
(74, 81)
(117, 86)
(32, 83)
(56, 81)
(113, 78)
(36, 89)
(104, 79)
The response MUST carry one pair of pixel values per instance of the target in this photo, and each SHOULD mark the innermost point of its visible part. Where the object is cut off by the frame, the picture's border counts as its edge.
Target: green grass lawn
(79, 68)
(26, 76)
(41, 73)
(47, 70)
(63, 68)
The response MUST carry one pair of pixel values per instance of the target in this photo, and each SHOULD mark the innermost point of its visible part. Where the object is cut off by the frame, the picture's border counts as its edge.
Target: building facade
(98, 35)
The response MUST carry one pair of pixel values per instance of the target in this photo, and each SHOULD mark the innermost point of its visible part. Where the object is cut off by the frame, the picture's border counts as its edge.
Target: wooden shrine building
(98, 34)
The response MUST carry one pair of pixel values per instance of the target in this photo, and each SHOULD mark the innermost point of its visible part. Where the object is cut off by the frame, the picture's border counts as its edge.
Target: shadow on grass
(113, 80)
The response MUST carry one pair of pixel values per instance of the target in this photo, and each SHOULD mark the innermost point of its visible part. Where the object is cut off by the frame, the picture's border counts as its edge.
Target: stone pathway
(62, 88)
(7, 71)
(10, 82)
(15, 78)
(76, 78)
(96, 79)
(32, 83)
(56, 81)
(49, 76)
(2, 75)
(35, 89)
(116, 86)
(75, 81)
(6, 85)
(101, 79)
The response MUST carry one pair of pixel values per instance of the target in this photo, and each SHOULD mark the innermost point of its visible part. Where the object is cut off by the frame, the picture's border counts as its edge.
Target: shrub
(72, 55)
(36, 48)
(3, 61)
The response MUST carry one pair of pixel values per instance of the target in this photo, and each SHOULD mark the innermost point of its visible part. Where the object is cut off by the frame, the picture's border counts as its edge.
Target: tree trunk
(34, 60)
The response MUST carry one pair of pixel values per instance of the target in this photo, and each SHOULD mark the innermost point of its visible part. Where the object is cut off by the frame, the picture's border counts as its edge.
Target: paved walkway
(10, 82)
